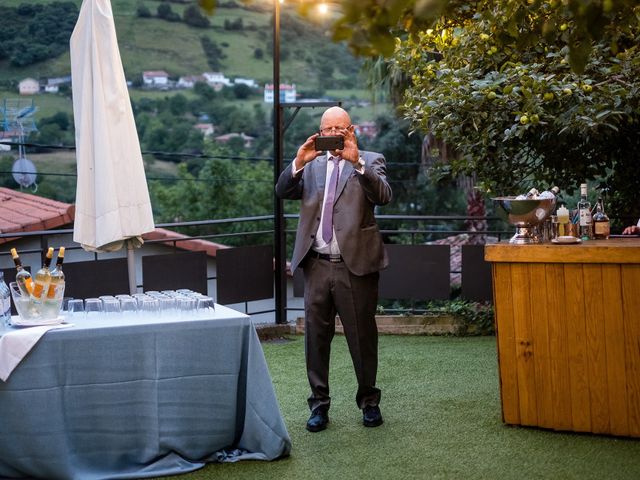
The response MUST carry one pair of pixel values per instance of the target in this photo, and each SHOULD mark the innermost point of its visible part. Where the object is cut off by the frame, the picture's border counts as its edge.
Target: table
(568, 332)
(115, 398)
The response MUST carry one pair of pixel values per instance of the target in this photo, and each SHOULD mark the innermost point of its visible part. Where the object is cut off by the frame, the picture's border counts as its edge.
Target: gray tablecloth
(115, 398)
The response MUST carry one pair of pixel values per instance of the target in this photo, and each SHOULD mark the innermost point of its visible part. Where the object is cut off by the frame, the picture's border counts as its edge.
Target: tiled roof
(183, 242)
(24, 212)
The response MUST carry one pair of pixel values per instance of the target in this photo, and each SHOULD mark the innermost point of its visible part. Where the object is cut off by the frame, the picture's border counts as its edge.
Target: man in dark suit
(340, 249)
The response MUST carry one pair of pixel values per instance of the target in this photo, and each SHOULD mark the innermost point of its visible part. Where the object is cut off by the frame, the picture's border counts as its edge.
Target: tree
(143, 11)
(214, 54)
(219, 189)
(515, 110)
(192, 16)
(242, 91)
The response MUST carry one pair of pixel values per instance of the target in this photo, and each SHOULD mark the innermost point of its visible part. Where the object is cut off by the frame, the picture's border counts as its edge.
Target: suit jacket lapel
(347, 171)
(321, 174)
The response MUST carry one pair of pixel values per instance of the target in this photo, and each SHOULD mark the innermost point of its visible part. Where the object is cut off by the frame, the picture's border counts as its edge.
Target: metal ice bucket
(525, 215)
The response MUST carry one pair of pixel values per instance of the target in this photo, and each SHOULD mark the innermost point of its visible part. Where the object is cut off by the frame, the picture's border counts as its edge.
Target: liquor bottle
(601, 225)
(23, 277)
(56, 285)
(584, 211)
(42, 278)
(5, 302)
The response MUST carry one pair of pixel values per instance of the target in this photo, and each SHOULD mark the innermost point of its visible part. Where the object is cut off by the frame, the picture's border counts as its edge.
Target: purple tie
(327, 218)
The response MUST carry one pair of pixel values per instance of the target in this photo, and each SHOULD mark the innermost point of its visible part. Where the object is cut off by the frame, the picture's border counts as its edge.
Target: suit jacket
(354, 222)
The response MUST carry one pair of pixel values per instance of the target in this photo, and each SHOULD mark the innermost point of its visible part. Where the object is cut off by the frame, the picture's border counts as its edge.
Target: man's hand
(307, 152)
(633, 230)
(350, 151)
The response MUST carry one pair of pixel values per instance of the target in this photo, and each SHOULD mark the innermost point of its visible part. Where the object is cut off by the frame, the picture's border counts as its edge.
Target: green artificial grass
(441, 406)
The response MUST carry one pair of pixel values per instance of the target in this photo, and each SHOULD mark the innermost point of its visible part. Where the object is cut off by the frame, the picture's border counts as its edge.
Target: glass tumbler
(75, 308)
(128, 306)
(93, 307)
(204, 306)
(111, 306)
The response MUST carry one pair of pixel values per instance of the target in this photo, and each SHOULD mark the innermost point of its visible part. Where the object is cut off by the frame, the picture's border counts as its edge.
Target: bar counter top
(613, 250)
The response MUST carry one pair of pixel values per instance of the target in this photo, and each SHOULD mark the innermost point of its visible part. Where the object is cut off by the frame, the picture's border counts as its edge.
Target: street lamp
(279, 223)
(280, 246)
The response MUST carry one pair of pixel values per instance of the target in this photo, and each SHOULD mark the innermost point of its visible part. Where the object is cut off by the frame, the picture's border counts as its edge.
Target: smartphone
(329, 142)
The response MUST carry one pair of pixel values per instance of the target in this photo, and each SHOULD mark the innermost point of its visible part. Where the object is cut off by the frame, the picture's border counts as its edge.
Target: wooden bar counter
(568, 333)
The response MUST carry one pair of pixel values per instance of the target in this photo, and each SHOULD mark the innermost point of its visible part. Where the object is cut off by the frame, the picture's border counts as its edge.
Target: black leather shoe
(318, 420)
(371, 416)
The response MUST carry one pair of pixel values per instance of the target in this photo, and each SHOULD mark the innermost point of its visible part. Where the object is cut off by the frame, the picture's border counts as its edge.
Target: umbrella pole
(131, 268)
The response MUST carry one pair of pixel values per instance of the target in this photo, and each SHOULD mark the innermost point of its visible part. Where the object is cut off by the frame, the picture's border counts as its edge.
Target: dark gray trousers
(330, 288)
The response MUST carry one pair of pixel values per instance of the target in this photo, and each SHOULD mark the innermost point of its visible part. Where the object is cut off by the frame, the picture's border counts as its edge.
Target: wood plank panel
(596, 354)
(576, 348)
(540, 317)
(505, 338)
(631, 312)
(568, 333)
(615, 349)
(558, 350)
(521, 282)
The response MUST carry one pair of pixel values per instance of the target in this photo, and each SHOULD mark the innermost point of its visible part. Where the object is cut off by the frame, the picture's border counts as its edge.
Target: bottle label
(37, 290)
(585, 216)
(55, 291)
(28, 283)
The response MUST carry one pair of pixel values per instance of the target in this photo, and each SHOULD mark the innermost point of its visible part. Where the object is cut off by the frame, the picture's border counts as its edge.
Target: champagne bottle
(42, 278)
(23, 277)
(584, 212)
(56, 285)
(601, 225)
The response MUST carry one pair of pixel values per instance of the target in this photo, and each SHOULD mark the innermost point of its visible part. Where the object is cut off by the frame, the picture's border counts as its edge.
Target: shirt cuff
(294, 170)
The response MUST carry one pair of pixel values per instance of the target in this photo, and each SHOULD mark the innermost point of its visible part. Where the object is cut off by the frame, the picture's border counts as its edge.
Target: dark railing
(396, 229)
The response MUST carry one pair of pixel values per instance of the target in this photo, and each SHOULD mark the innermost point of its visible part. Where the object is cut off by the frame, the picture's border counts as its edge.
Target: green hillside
(309, 58)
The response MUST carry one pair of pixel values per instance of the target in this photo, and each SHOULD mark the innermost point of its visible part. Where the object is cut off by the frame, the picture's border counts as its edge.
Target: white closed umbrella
(112, 197)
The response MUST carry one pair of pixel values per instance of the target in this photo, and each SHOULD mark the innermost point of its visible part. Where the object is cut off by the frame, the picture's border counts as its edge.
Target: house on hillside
(207, 129)
(216, 80)
(155, 79)
(28, 86)
(247, 140)
(287, 93)
(249, 82)
(189, 81)
(367, 129)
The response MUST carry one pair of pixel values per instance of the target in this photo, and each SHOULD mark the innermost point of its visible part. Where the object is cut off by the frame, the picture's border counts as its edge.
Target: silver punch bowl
(525, 215)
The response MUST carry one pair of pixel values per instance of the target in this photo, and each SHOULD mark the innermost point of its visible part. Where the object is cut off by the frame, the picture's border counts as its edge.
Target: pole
(131, 267)
(278, 221)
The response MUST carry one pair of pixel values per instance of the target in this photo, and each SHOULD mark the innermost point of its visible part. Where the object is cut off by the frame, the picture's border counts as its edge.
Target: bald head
(334, 117)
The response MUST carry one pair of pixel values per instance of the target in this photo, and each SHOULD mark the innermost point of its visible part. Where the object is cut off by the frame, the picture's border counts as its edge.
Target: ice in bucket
(28, 309)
